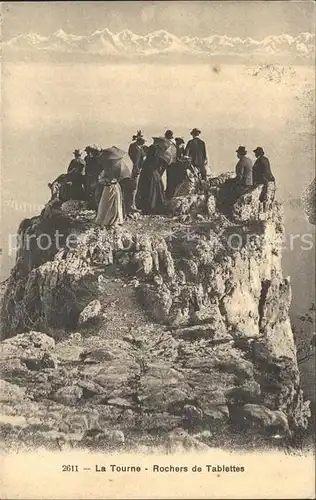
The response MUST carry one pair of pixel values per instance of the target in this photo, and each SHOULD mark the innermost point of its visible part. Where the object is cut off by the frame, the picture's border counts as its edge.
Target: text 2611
(69, 468)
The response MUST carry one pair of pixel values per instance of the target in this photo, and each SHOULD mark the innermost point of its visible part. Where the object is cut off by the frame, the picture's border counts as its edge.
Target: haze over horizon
(235, 19)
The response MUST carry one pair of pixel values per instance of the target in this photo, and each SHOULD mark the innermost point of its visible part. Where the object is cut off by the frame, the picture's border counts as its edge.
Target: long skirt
(110, 209)
(150, 197)
(175, 175)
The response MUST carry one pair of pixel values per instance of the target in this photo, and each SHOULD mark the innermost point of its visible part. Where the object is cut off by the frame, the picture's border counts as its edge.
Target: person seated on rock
(69, 186)
(262, 172)
(60, 188)
(52, 208)
(243, 180)
(243, 168)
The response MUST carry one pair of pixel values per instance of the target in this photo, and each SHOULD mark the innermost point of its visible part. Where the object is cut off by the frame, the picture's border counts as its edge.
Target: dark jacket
(196, 151)
(244, 171)
(93, 169)
(76, 164)
(137, 155)
(180, 152)
(261, 171)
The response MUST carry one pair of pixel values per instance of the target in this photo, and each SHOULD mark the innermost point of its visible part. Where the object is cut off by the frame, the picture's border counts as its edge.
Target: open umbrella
(162, 143)
(116, 163)
(166, 150)
(113, 153)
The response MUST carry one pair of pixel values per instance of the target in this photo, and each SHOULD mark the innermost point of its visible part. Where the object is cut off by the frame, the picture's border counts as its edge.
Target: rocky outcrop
(167, 323)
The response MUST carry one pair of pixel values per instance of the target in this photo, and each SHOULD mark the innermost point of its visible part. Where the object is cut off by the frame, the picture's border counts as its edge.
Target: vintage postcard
(157, 299)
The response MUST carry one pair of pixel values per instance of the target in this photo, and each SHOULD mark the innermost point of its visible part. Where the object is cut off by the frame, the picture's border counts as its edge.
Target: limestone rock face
(309, 202)
(90, 312)
(167, 323)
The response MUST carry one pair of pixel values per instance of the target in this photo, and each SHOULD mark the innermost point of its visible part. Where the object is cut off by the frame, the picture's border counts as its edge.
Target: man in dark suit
(261, 169)
(196, 150)
(77, 163)
(75, 178)
(129, 186)
(262, 172)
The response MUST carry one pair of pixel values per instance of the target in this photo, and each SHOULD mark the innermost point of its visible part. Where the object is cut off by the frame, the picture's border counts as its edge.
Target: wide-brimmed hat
(259, 150)
(138, 135)
(195, 131)
(179, 140)
(77, 152)
(241, 150)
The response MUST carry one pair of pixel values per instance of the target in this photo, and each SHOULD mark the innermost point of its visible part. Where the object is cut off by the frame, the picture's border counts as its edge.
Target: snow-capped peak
(105, 32)
(126, 42)
(127, 33)
(60, 33)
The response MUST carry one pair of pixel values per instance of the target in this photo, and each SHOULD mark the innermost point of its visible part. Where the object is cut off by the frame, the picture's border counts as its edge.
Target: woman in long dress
(150, 197)
(110, 208)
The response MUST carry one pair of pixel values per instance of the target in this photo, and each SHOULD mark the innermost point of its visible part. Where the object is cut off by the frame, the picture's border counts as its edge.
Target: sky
(192, 18)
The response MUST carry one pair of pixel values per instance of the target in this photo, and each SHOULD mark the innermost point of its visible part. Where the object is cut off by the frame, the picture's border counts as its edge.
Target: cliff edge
(168, 331)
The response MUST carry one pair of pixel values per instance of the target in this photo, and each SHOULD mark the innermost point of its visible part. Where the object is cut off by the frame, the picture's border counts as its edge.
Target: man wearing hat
(262, 172)
(137, 155)
(136, 152)
(77, 163)
(196, 150)
(75, 177)
(261, 168)
(243, 168)
(169, 136)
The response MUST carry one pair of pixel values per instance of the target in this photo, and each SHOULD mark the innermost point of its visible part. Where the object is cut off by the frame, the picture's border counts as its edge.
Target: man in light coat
(243, 168)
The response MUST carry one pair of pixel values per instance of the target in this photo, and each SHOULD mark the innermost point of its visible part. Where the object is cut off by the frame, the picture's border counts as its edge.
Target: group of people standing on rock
(165, 155)
(117, 184)
(113, 195)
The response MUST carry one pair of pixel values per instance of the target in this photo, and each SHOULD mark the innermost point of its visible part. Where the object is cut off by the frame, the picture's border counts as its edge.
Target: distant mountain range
(128, 44)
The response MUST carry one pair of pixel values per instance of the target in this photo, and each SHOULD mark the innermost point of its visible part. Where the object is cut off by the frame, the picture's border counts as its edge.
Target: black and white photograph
(157, 294)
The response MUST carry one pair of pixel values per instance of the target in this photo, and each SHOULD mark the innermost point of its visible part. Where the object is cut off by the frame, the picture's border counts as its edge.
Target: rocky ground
(171, 332)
